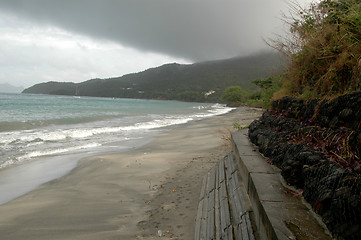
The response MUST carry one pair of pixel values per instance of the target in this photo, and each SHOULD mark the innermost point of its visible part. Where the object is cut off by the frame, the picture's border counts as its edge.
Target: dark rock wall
(344, 111)
(332, 188)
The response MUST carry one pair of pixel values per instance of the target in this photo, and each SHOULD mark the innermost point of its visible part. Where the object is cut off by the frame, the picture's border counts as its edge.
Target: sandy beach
(139, 194)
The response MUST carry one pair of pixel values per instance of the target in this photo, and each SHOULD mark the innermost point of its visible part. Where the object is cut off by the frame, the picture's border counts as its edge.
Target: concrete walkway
(275, 210)
(278, 212)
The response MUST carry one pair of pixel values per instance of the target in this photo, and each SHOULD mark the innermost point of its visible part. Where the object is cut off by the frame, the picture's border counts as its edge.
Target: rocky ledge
(316, 144)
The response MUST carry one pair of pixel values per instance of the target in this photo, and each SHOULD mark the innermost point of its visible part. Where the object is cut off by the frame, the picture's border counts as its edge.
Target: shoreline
(18, 180)
(128, 195)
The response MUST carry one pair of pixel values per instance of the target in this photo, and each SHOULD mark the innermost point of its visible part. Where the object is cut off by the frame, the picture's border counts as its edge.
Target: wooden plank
(227, 218)
(246, 228)
(227, 209)
(204, 218)
(249, 227)
(243, 220)
(231, 185)
(227, 181)
(221, 170)
(242, 198)
(210, 225)
(243, 228)
(228, 234)
(197, 235)
(211, 180)
(224, 203)
(236, 223)
(217, 176)
(236, 208)
(223, 217)
(235, 205)
(227, 166)
(224, 234)
(231, 163)
(236, 216)
(217, 217)
(222, 192)
(240, 216)
(211, 201)
(235, 180)
(223, 208)
(208, 182)
(237, 196)
(204, 185)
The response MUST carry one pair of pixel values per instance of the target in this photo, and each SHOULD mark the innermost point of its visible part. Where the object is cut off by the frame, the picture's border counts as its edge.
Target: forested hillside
(174, 81)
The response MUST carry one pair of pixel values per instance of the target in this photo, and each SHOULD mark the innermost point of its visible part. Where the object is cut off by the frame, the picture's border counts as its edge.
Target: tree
(233, 94)
(264, 83)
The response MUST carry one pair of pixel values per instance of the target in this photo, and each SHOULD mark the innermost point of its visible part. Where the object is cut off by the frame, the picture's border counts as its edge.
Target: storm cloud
(76, 40)
(196, 30)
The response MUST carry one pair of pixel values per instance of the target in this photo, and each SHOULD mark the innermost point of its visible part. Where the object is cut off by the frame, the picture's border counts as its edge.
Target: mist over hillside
(8, 88)
(174, 81)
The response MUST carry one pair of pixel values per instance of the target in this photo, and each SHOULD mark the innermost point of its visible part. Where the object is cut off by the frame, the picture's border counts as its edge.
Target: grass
(324, 50)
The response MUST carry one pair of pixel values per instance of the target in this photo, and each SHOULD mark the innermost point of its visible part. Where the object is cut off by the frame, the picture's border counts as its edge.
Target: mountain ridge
(173, 81)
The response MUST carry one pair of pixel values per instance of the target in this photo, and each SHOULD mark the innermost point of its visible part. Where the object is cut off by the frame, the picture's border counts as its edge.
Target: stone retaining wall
(299, 138)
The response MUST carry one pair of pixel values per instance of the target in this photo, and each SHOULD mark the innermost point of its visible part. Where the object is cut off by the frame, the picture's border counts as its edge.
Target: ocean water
(43, 137)
(42, 127)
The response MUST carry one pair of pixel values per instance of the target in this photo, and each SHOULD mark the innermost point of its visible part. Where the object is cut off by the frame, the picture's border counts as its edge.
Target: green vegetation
(236, 96)
(268, 87)
(199, 82)
(324, 50)
(238, 126)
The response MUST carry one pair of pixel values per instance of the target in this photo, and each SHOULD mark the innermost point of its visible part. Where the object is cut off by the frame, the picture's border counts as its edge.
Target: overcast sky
(76, 40)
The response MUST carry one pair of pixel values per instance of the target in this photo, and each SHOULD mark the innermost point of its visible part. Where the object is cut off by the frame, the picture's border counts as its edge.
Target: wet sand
(138, 194)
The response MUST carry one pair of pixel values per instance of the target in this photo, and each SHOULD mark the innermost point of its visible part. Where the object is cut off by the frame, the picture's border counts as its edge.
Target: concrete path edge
(278, 212)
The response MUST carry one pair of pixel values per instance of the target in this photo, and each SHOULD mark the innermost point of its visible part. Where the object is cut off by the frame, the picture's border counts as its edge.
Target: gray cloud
(191, 29)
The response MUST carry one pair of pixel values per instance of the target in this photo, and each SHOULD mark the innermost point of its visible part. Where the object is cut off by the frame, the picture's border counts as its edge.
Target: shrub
(234, 95)
(268, 87)
(324, 49)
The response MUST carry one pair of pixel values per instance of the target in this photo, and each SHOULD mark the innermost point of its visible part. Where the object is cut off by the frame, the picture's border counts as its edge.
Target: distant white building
(209, 92)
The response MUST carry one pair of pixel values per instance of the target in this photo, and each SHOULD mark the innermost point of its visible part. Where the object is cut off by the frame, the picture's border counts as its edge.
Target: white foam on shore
(50, 141)
(57, 151)
(40, 146)
(54, 152)
(37, 154)
(18, 180)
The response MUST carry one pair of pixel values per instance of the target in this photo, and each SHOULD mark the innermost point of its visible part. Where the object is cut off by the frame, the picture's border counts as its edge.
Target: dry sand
(132, 195)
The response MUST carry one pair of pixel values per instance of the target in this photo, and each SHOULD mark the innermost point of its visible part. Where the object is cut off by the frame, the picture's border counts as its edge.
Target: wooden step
(222, 210)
